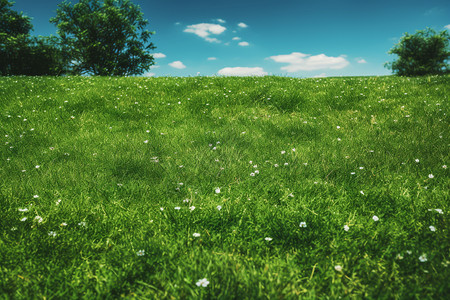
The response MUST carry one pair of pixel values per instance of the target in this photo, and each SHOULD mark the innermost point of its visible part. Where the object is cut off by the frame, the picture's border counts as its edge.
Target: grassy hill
(265, 187)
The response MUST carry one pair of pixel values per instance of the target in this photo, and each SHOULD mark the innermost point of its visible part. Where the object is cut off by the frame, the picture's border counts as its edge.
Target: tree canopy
(423, 53)
(104, 37)
(22, 54)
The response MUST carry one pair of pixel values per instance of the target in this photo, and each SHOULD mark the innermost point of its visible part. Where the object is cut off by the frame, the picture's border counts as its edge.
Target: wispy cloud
(159, 55)
(242, 71)
(305, 62)
(236, 38)
(244, 44)
(177, 65)
(361, 61)
(221, 21)
(242, 25)
(447, 26)
(204, 30)
(212, 58)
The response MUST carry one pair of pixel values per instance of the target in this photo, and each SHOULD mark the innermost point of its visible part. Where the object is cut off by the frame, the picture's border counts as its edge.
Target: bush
(423, 53)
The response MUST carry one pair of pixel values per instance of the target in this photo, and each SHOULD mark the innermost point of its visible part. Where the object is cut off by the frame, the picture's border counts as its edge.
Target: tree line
(94, 37)
(109, 37)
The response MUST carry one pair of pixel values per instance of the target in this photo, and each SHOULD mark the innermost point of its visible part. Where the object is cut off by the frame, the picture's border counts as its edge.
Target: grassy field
(224, 188)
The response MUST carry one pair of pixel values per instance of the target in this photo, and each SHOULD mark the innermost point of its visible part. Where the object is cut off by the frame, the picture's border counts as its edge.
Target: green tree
(22, 54)
(423, 53)
(104, 37)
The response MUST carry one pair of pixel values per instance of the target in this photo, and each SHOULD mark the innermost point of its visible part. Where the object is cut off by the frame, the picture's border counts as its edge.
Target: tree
(21, 54)
(104, 38)
(423, 53)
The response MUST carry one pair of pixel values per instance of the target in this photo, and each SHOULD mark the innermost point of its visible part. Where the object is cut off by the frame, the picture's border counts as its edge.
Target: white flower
(177, 207)
(195, 234)
(161, 208)
(192, 208)
(432, 228)
(38, 166)
(444, 166)
(375, 218)
(276, 165)
(423, 258)
(362, 192)
(416, 160)
(58, 202)
(38, 219)
(352, 173)
(302, 224)
(283, 152)
(219, 207)
(36, 196)
(146, 142)
(338, 127)
(399, 257)
(256, 172)
(63, 224)
(217, 190)
(252, 174)
(23, 219)
(141, 253)
(286, 164)
(203, 282)
(82, 224)
(186, 200)
(430, 176)
(346, 228)
(439, 210)
(338, 268)
(293, 149)
(268, 239)
(52, 233)
(23, 209)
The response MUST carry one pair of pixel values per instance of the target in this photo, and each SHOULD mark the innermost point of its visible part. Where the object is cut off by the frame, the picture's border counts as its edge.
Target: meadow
(224, 188)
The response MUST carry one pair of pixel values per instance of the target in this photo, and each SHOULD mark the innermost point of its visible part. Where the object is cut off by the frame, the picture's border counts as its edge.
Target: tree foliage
(423, 53)
(22, 54)
(104, 37)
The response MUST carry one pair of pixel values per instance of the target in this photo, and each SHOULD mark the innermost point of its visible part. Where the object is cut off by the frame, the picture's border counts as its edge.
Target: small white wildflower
(23, 209)
(141, 253)
(432, 228)
(13, 228)
(268, 239)
(339, 139)
(408, 252)
(439, 210)
(423, 258)
(338, 268)
(430, 176)
(38, 219)
(52, 233)
(276, 165)
(177, 207)
(352, 173)
(192, 208)
(399, 257)
(346, 228)
(444, 166)
(291, 195)
(161, 208)
(219, 207)
(63, 224)
(203, 282)
(37, 166)
(186, 200)
(217, 190)
(362, 192)
(58, 202)
(375, 218)
(286, 164)
(417, 160)
(302, 224)
(252, 174)
(195, 234)
(338, 127)
(36, 196)
(82, 223)
(293, 149)
(283, 152)
(23, 219)
(146, 142)
(256, 171)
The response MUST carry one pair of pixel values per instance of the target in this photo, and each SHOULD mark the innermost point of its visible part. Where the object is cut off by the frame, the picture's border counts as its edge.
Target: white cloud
(177, 65)
(148, 74)
(361, 61)
(221, 21)
(159, 55)
(212, 58)
(305, 62)
(242, 25)
(321, 75)
(204, 30)
(236, 38)
(242, 71)
(243, 44)
(447, 26)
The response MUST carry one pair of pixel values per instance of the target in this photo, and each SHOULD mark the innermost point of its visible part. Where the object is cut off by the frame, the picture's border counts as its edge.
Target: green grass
(117, 156)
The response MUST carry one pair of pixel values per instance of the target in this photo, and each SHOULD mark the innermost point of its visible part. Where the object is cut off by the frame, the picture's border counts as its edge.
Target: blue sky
(276, 37)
